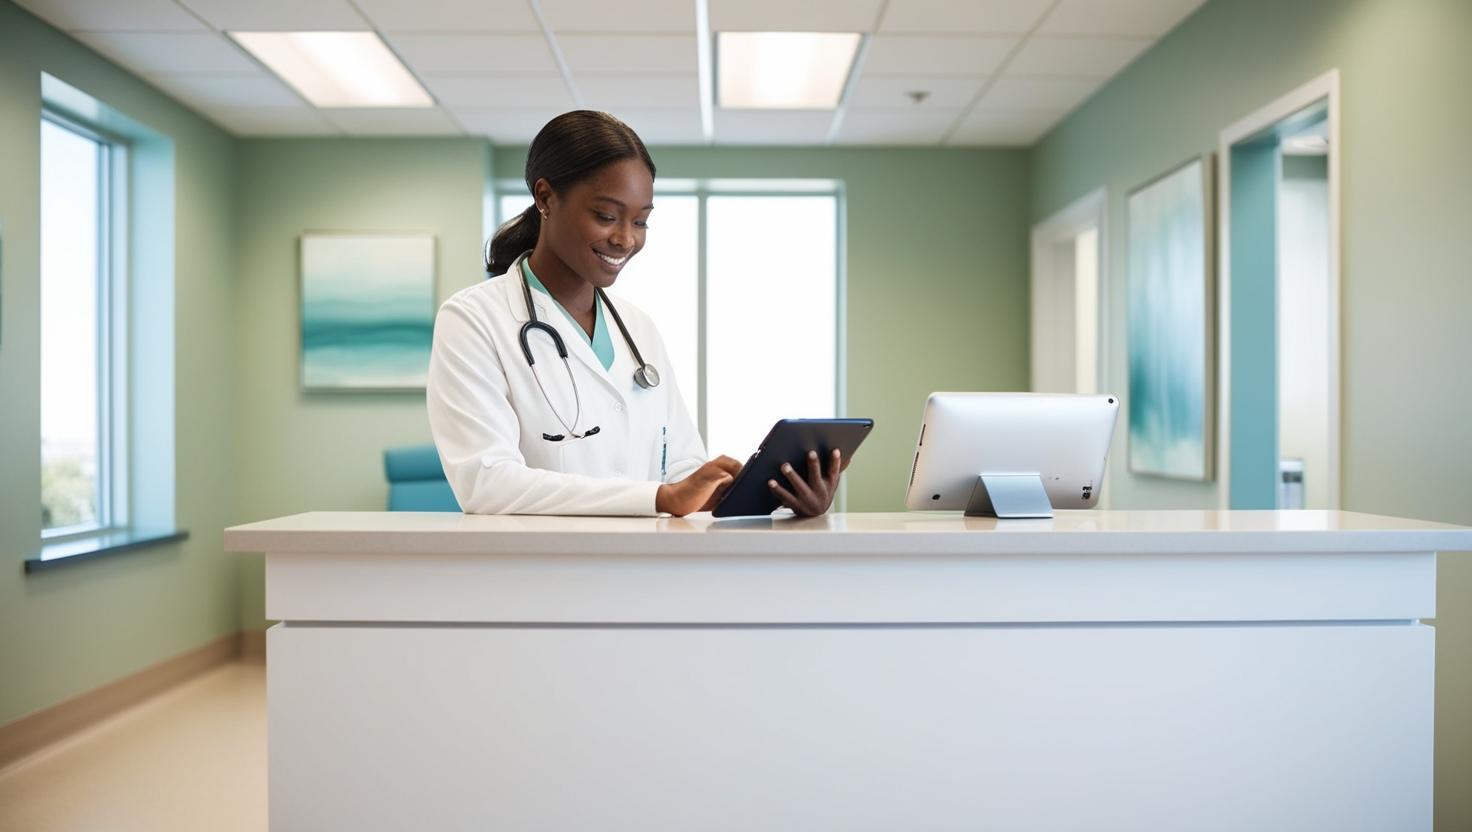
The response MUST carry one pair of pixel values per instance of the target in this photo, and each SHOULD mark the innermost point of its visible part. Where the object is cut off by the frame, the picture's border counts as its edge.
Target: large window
(742, 279)
(80, 460)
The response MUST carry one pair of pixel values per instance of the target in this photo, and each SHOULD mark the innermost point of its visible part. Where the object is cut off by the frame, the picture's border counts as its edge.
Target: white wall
(1303, 324)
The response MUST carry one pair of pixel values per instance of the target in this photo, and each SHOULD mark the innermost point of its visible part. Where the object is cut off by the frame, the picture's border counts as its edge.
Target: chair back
(416, 480)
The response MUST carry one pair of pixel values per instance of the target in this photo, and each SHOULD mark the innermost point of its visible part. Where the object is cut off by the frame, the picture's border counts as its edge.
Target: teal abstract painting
(367, 304)
(1169, 327)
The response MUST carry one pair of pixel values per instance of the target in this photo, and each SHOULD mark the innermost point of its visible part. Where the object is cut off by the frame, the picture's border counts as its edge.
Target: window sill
(71, 551)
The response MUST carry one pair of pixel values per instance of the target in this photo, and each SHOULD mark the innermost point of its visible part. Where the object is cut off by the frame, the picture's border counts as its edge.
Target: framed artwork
(1171, 330)
(367, 310)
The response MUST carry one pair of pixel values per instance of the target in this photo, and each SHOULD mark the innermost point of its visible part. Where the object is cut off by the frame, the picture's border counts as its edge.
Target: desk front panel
(925, 727)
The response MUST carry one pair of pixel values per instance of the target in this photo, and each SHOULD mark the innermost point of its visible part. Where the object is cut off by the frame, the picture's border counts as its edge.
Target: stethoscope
(645, 376)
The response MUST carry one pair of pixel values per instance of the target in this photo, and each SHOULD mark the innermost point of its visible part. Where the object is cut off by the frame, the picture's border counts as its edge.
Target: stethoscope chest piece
(646, 376)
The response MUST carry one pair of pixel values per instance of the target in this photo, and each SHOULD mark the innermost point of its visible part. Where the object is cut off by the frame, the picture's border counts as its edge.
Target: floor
(192, 758)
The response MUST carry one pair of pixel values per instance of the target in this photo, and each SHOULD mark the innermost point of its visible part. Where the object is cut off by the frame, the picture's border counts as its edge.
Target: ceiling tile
(511, 127)
(459, 16)
(633, 54)
(207, 91)
(475, 53)
(114, 15)
(664, 127)
(301, 120)
(1001, 17)
(1014, 128)
(1076, 57)
(781, 127)
(896, 127)
(1117, 17)
(912, 55)
(642, 92)
(146, 52)
(787, 16)
(392, 121)
(1038, 93)
(482, 91)
(894, 93)
(278, 15)
(642, 17)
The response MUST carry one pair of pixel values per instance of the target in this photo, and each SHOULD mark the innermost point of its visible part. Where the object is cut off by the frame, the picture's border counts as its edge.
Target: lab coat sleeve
(686, 450)
(476, 431)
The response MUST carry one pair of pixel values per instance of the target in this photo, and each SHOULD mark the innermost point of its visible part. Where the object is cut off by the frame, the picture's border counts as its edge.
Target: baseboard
(33, 732)
(253, 645)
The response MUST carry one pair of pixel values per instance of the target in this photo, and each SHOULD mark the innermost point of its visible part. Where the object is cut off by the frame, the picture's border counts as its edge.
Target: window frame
(112, 358)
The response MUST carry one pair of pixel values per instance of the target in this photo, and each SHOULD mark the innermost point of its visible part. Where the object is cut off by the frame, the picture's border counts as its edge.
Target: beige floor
(192, 758)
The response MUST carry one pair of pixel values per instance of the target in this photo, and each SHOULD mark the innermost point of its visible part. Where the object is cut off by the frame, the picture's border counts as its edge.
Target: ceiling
(997, 72)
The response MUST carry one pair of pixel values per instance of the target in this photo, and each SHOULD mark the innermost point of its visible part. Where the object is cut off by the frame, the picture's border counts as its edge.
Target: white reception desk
(1100, 671)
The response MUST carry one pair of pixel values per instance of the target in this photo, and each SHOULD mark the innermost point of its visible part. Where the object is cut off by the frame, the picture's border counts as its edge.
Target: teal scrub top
(600, 341)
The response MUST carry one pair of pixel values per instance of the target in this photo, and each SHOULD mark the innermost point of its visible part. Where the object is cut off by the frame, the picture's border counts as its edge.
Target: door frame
(1088, 211)
(1323, 88)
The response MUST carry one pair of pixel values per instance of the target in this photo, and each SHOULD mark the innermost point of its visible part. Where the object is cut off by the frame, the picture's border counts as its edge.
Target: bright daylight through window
(74, 334)
(770, 285)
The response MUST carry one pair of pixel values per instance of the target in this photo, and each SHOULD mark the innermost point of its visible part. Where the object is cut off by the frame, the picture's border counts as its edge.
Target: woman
(535, 406)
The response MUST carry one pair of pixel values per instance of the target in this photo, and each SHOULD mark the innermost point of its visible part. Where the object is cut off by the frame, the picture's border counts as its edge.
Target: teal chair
(416, 480)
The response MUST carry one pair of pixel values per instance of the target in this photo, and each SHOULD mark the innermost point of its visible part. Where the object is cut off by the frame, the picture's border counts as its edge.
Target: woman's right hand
(700, 491)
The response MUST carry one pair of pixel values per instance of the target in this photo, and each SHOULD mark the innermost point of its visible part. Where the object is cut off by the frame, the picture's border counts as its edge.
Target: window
(81, 459)
(742, 279)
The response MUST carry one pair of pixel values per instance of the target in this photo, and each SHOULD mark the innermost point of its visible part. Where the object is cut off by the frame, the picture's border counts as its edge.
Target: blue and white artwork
(367, 311)
(1170, 326)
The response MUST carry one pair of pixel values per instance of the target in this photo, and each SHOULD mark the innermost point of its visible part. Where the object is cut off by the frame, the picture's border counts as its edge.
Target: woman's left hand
(811, 497)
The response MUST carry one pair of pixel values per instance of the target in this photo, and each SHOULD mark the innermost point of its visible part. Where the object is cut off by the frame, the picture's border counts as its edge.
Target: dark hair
(566, 151)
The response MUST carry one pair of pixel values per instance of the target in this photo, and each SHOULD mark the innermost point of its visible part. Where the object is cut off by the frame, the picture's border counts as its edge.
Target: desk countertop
(938, 533)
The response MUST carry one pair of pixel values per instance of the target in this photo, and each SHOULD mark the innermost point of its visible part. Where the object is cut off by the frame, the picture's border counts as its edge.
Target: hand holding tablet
(797, 455)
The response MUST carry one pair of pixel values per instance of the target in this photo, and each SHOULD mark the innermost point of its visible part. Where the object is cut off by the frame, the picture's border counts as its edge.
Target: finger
(835, 468)
(727, 464)
(799, 486)
(784, 495)
(815, 470)
(715, 496)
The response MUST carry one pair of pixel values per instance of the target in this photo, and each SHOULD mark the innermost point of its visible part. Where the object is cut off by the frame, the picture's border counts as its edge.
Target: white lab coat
(487, 415)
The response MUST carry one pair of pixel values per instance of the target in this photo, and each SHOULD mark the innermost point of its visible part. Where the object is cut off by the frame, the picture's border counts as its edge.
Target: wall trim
(1323, 88)
(25, 736)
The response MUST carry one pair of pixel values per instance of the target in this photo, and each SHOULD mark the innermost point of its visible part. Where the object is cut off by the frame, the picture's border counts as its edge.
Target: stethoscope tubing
(646, 376)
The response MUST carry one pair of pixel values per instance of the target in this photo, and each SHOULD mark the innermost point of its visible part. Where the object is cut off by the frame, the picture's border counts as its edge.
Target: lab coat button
(485, 461)
(619, 406)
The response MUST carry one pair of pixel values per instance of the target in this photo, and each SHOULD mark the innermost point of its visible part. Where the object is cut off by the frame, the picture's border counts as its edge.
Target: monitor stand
(1009, 495)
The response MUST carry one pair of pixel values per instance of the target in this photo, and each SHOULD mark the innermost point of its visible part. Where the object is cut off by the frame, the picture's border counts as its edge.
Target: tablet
(789, 441)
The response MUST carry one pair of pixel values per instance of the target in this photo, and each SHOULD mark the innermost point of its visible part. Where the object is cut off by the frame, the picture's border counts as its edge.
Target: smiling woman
(533, 406)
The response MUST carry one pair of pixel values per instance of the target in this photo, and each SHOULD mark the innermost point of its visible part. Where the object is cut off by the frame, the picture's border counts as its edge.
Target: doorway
(1280, 303)
(1068, 319)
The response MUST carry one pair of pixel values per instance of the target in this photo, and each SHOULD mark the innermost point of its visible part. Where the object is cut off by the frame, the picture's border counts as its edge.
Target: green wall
(1406, 205)
(935, 245)
(937, 285)
(69, 630)
(298, 451)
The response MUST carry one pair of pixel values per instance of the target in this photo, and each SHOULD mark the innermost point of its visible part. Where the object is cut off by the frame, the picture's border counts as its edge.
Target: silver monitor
(1011, 454)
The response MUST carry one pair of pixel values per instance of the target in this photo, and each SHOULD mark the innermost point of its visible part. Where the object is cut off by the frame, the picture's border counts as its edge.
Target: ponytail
(567, 150)
(514, 238)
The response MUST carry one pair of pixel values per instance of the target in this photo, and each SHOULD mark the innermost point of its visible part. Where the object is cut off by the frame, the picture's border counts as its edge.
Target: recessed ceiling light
(784, 70)
(337, 69)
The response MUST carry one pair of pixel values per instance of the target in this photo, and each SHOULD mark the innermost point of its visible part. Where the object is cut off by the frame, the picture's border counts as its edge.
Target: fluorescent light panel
(784, 70)
(337, 69)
